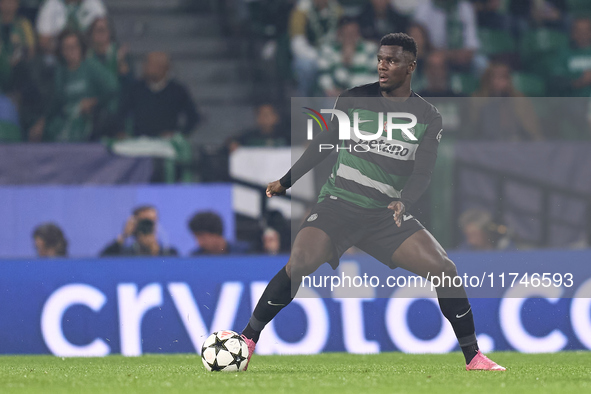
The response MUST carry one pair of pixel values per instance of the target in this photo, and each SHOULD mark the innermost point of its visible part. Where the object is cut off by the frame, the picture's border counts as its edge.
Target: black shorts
(371, 230)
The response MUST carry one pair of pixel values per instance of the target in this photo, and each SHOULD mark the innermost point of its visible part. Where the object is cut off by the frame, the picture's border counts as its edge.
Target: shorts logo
(313, 217)
(406, 217)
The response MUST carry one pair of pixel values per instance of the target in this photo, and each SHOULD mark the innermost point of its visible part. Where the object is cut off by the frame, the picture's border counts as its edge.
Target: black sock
(469, 352)
(456, 308)
(251, 333)
(276, 296)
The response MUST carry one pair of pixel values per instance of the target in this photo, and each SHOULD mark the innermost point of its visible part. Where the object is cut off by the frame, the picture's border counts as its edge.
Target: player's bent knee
(448, 267)
(444, 266)
(303, 262)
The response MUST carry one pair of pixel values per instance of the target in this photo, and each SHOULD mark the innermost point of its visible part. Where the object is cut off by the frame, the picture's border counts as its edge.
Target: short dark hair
(67, 33)
(142, 208)
(206, 222)
(93, 25)
(53, 237)
(346, 20)
(403, 40)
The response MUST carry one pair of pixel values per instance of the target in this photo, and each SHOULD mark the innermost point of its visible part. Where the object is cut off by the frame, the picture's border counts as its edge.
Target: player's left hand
(398, 208)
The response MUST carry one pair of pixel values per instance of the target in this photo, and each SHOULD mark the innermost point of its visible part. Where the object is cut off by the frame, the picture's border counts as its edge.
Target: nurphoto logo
(363, 138)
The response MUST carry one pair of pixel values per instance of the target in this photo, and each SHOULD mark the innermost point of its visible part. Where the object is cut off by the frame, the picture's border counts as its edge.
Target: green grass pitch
(566, 372)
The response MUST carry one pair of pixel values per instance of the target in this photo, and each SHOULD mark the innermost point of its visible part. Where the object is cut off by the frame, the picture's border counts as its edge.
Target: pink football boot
(479, 363)
(251, 345)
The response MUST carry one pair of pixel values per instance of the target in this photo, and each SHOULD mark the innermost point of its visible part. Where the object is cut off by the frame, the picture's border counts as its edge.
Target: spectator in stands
(271, 241)
(482, 233)
(84, 92)
(106, 51)
(157, 102)
(50, 241)
(17, 45)
(266, 133)
(452, 27)
(575, 61)
(347, 61)
(497, 82)
(378, 18)
(269, 19)
(437, 88)
(275, 220)
(9, 121)
(506, 119)
(208, 230)
(421, 36)
(543, 13)
(437, 76)
(55, 16)
(312, 23)
(37, 92)
(142, 225)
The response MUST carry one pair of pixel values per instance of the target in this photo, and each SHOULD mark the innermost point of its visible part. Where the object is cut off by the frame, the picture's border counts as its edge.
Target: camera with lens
(145, 227)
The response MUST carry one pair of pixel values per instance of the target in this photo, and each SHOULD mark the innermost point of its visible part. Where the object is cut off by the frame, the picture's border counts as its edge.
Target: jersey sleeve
(313, 155)
(425, 159)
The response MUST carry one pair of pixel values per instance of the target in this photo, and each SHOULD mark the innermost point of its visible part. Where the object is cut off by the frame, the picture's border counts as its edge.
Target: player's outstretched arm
(275, 189)
(311, 157)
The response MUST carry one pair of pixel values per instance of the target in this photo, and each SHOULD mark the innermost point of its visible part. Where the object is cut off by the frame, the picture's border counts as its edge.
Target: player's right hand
(275, 189)
(130, 226)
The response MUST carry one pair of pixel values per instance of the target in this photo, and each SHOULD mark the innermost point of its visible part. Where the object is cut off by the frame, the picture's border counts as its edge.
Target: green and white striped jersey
(371, 174)
(334, 74)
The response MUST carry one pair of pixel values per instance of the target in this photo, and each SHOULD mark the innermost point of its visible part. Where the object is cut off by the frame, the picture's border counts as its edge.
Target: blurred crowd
(466, 48)
(140, 237)
(65, 78)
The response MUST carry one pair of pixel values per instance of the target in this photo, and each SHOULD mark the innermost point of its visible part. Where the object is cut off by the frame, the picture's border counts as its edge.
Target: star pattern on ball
(238, 358)
(228, 353)
(219, 344)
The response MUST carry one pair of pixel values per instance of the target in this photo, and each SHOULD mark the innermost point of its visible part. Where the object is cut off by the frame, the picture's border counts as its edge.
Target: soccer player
(365, 201)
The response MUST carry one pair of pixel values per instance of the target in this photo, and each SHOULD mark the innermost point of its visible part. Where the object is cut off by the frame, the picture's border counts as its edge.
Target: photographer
(50, 241)
(142, 226)
(482, 233)
(208, 230)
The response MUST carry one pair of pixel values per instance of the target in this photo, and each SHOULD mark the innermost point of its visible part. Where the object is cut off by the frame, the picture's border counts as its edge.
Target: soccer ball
(224, 351)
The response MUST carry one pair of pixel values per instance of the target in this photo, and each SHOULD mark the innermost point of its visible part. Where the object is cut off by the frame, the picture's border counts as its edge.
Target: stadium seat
(494, 42)
(463, 84)
(529, 84)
